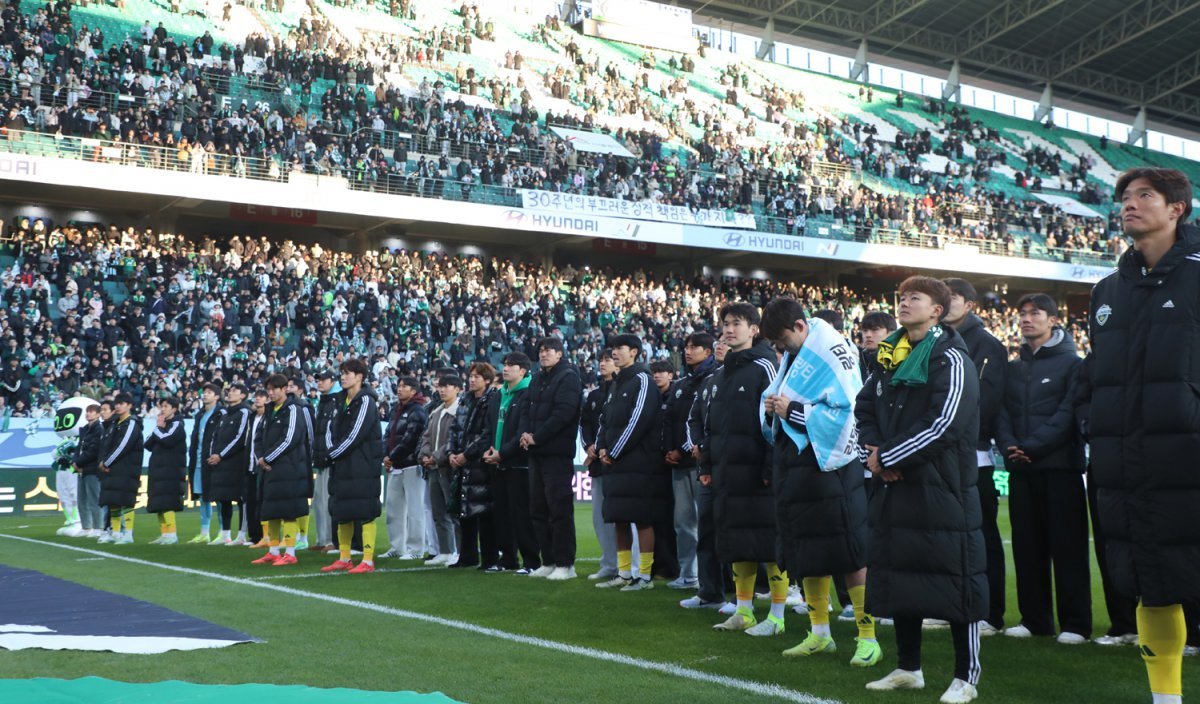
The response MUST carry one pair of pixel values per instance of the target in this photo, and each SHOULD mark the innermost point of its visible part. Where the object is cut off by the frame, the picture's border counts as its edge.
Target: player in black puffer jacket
(918, 423)
(166, 473)
(355, 444)
(121, 468)
(282, 457)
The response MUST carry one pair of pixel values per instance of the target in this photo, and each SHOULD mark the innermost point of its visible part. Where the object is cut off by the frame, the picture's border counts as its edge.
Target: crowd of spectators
(98, 309)
(331, 111)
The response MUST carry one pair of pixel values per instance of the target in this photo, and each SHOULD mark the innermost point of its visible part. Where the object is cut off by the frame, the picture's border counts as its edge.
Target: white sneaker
(436, 560)
(617, 581)
(126, 538)
(1068, 638)
(638, 584)
(221, 540)
(1191, 651)
(597, 576)
(695, 603)
(934, 623)
(959, 692)
(762, 596)
(795, 597)
(169, 539)
(899, 679)
(72, 531)
(561, 574)
(390, 554)
(847, 615)
(406, 556)
(730, 609)
(766, 627)
(1127, 639)
(240, 540)
(885, 622)
(106, 537)
(987, 629)
(543, 571)
(1018, 632)
(157, 541)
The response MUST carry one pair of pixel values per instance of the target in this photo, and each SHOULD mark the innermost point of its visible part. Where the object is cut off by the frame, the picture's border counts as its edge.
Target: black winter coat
(822, 515)
(309, 416)
(516, 422)
(226, 479)
(589, 423)
(1039, 407)
(356, 451)
(122, 455)
(697, 428)
(166, 480)
(404, 432)
(555, 401)
(990, 358)
(678, 409)
(87, 452)
(470, 436)
(743, 501)
(281, 444)
(636, 486)
(326, 409)
(1145, 421)
(927, 553)
(203, 447)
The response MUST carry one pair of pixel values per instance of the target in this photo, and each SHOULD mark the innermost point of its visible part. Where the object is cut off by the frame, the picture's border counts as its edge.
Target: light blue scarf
(824, 378)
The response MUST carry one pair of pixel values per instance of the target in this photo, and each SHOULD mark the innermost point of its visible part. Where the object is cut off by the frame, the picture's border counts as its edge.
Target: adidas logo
(741, 388)
(1169, 304)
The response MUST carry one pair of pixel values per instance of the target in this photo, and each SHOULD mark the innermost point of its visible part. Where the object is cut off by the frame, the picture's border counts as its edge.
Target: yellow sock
(1162, 633)
(744, 574)
(274, 530)
(816, 593)
(369, 542)
(778, 582)
(266, 529)
(302, 526)
(645, 563)
(345, 536)
(625, 562)
(114, 519)
(128, 515)
(866, 623)
(289, 534)
(166, 522)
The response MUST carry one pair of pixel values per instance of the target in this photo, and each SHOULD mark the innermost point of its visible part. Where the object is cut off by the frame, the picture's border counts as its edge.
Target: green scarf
(910, 364)
(506, 397)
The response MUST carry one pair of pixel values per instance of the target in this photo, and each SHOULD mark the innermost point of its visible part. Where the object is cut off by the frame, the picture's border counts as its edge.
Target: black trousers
(478, 541)
(552, 507)
(714, 577)
(1121, 609)
(1048, 510)
(248, 509)
(989, 502)
(514, 527)
(966, 647)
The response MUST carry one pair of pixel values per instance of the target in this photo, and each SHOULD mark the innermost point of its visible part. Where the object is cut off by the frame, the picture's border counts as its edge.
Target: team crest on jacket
(678, 393)
(878, 388)
(1103, 313)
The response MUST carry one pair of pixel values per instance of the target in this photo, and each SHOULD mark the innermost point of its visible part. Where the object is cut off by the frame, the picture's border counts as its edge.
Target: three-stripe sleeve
(639, 407)
(287, 439)
(359, 424)
(241, 434)
(944, 420)
(124, 443)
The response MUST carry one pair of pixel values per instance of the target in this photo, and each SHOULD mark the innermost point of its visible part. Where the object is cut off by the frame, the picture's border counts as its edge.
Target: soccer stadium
(382, 351)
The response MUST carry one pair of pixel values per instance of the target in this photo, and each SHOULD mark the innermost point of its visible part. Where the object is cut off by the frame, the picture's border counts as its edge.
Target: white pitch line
(766, 689)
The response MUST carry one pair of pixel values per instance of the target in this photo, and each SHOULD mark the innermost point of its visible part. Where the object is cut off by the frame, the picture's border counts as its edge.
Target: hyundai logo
(734, 239)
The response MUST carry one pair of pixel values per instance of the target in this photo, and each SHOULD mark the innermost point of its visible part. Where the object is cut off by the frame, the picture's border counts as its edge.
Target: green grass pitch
(324, 644)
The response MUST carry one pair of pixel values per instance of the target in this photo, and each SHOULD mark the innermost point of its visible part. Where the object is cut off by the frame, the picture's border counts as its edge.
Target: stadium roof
(1115, 54)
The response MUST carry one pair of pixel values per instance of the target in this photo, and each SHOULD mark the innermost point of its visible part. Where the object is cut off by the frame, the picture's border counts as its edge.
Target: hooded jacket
(122, 454)
(1144, 421)
(990, 358)
(1038, 414)
(404, 431)
(743, 501)
(355, 444)
(555, 398)
(224, 481)
(282, 445)
(927, 554)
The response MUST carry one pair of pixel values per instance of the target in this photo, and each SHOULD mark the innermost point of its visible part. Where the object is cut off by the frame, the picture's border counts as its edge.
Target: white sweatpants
(66, 483)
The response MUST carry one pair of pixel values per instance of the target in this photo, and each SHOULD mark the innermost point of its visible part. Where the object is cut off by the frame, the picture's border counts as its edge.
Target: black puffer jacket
(589, 423)
(1145, 421)
(991, 360)
(678, 410)
(697, 428)
(166, 480)
(822, 515)
(927, 553)
(470, 436)
(516, 421)
(636, 486)
(281, 444)
(87, 453)
(744, 503)
(555, 400)
(225, 479)
(326, 409)
(404, 431)
(122, 455)
(1038, 415)
(356, 452)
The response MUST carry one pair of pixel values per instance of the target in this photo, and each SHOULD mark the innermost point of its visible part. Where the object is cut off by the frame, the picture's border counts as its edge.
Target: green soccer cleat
(812, 645)
(867, 654)
(741, 620)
